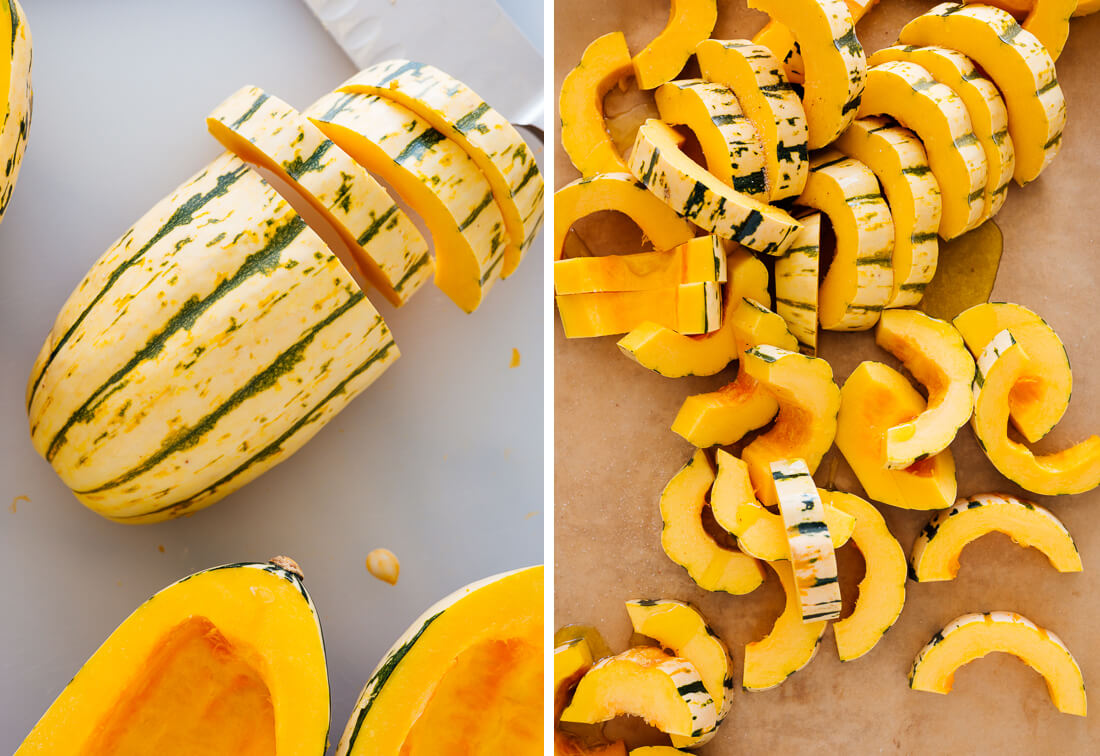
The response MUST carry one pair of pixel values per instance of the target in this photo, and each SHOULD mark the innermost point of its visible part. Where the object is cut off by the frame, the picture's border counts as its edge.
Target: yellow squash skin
(882, 590)
(933, 353)
(701, 259)
(689, 23)
(1073, 470)
(258, 615)
(860, 279)
(685, 541)
(796, 277)
(788, 647)
(875, 398)
(972, 636)
(625, 194)
(1016, 62)
(835, 65)
(15, 76)
(898, 160)
(907, 93)
(688, 309)
(1048, 20)
(164, 383)
(941, 542)
(984, 104)
(584, 136)
(769, 102)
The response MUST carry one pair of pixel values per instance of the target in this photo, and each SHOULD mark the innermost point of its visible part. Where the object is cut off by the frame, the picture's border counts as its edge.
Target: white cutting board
(440, 460)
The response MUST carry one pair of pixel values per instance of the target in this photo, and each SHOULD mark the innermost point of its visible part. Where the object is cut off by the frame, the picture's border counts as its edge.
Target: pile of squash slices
(780, 140)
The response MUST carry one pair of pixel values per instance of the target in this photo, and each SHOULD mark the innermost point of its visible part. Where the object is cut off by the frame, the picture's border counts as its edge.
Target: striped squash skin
(387, 245)
(196, 356)
(467, 226)
(796, 277)
(487, 137)
(17, 115)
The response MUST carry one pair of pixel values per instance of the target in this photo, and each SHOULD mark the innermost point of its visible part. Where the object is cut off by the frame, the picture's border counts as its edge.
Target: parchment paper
(615, 452)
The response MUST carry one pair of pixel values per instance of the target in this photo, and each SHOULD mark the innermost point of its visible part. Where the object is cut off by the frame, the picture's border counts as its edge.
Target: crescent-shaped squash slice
(984, 104)
(674, 355)
(796, 279)
(659, 163)
(18, 97)
(835, 66)
(766, 98)
(1048, 20)
(875, 398)
(571, 660)
(899, 162)
(724, 416)
(584, 135)
(622, 193)
(1041, 395)
(388, 249)
(667, 692)
(972, 636)
(689, 23)
(1016, 62)
(779, 40)
(860, 279)
(701, 259)
(687, 309)
(687, 542)
(228, 660)
(933, 353)
(1070, 471)
(788, 647)
(907, 93)
(474, 664)
(806, 424)
(681, 629)
(882, 590)
(937, 549)
(759, 531)
(731, 148)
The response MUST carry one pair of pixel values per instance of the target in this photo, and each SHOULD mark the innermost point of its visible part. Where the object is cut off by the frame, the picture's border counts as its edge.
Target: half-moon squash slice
(789, 646)
(701, 259)
(584, 135)
(689, 23)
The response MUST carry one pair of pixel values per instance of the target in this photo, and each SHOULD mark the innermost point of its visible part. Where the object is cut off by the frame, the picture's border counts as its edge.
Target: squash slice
(779, 40)
(875, 398)
(571, 660)
(938, 116)
(681, 629)
(788, 647)
(228, 660)
(984, 104)
(1041, 395)
(659, 163)
(1016, 62)
(835, 66)
(859, 281)
(728, 139)
(882, 590)
(687, 309)
(972, 636)
(701, 259)
(766, 98)
(796, 278)
(933, 353)
(687, 543)
(899, 162)
(689, 23)
(1070, 471)
(584, 135)
(937, 549)
(435, 177)
(18, 97)
(674, 355)
(1048, 20)
(806, 424)
(466, 674)
(625, 194)
(487, 137)
(388, 249)
(667, 692)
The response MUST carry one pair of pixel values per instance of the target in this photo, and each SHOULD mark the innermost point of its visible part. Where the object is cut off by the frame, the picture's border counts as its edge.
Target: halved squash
(701, 259)
(972, 636)
(882, 590)
(1048, 20)
(466, 674)
(933, 353)
(1041, 395)
(937, 549)
(806, 424)
(688, 308)
(796, 279)
(571, 660)
(788, 647)
(228, 660)
(1070, 471)
(689, 23)
(584, 136)
(686, 541)
(875, 398)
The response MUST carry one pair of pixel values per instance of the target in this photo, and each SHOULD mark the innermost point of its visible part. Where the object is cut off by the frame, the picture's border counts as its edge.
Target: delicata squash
(15, 76)
(584, 134)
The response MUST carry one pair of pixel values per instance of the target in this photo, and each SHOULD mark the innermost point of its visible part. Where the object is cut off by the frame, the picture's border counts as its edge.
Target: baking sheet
(440, 460)
(614, 453)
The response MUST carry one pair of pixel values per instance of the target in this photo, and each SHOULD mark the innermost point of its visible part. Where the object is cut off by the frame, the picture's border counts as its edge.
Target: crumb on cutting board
(15, 502)
(384, 565)
(515, 358)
